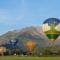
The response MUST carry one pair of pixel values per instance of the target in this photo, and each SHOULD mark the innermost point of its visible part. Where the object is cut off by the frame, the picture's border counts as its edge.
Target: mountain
(30, 33)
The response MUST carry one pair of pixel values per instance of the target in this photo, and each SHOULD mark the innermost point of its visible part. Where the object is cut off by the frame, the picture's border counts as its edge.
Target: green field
(28, 58)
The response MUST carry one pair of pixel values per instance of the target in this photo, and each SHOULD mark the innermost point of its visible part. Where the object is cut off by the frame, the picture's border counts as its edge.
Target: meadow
(27, 58)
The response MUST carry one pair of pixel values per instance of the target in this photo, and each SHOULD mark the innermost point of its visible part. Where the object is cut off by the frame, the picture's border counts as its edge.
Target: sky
(17, 14)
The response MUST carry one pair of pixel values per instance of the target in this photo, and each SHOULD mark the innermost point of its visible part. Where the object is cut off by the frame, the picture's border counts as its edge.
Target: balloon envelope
(51, 28)
(30, 45)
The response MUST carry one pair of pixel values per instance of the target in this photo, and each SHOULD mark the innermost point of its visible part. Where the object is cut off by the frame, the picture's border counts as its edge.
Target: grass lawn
(27, 58)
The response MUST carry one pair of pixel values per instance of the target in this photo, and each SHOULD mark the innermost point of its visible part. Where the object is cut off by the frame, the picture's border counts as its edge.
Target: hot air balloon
(30, 45)
(51, 28)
